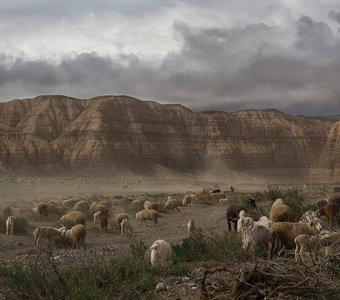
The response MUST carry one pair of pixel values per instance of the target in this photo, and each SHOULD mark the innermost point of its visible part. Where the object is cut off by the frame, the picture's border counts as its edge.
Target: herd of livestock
(275, 232)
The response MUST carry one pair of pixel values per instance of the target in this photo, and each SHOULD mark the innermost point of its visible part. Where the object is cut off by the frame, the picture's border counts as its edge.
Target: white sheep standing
(160, 253)
(9, 225)
(125, 226)
(191, 226)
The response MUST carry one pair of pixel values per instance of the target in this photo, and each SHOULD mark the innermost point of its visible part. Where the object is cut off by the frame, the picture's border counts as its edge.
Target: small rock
(160, 287)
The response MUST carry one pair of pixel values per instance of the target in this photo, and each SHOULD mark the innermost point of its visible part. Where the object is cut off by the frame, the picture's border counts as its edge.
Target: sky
(207, 55)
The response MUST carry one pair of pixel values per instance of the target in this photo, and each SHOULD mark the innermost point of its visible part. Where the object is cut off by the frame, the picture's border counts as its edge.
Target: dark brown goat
(331, 211)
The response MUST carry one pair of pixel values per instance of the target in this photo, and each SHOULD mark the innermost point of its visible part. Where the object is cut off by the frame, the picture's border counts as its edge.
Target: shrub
(21, 226)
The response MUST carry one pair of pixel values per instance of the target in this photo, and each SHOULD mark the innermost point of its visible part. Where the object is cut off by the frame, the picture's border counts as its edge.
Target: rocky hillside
(107, 135)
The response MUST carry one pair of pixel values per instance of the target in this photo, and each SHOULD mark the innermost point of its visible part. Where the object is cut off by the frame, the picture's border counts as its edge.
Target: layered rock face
(60, 135)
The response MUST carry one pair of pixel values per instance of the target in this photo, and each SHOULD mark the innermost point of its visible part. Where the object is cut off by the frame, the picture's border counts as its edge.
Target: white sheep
(253, 234)
(10, 225)
(125, 226)
(191, 226)
(160, 253)
(304, 242)
(224, 201)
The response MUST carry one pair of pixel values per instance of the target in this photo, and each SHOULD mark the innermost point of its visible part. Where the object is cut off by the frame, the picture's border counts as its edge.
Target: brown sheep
(42, 209)
(46, 233)
(102, 220)
(120, 217)
(331, 211)
(95, 206)
(148, 214)
(69, 203)
(283, 234)
(280, 212)
(150, 205)
(77, 235)
(188, 199)
(73, 218)
(172, 204)
(82, 206)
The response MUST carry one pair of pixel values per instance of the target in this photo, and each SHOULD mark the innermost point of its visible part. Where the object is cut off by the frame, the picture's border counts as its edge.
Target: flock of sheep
(275, 232)
(279, 231)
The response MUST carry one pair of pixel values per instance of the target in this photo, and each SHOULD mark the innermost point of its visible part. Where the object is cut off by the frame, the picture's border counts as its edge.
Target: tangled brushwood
(268, 279)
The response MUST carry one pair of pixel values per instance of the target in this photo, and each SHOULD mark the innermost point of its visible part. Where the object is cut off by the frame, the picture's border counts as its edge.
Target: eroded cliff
(59, 135)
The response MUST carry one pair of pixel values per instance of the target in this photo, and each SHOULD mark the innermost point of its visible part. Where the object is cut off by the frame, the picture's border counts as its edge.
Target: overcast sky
(217, 54)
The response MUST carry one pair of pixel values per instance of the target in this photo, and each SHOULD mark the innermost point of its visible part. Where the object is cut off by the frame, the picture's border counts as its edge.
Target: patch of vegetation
(210, 246)
(126, 277)
(21, 226)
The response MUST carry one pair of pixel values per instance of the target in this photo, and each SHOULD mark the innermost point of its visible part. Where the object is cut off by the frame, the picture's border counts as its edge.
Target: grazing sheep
(120, 217)
(147, 214)
(283, 234)
(232, 215)
(54, 202)
(139, 200)
(9, 225)
(46, 233)
(280, 212)
(73, 218)
(102, 220)
(188, 199)
(69, 203)
(6, 212)
(77, 235)
(331, 211)
(150, 205)
(214, 189)
(125, 226)
(191, 227)
(82, 206)
(95, 206)
(106, 203)
(160, 253)
(42, 209)
(172, 204)
(330, 240)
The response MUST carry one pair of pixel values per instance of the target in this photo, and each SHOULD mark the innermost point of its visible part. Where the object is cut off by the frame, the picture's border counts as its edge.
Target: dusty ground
(20, 193)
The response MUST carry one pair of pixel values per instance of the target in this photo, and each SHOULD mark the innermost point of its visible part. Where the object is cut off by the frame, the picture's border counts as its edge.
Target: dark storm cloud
(335, 16)
(256, 66)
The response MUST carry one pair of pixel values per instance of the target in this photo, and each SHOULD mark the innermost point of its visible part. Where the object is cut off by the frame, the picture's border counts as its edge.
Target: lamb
(6, 212)
(102, 220)
(172, 204)
(147, 214)
(280, 212)
(46, 233)
(160, 253)
(42, 209)
(120, 217)
(188, 199)
(191, 227)
(314, 244)
(305, 242)
(150, 205)
(77, 235)
(9, 225)
(73, 218)
(125, 226)
(284, 234)
(331, 211)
